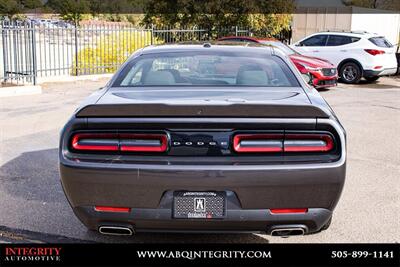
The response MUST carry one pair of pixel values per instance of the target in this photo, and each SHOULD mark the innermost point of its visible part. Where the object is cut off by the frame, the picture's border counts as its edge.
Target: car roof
(209, 46)
(349, 33)
(249, 38)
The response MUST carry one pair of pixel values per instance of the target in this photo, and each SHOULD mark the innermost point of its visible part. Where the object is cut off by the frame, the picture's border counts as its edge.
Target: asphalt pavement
(33, 207)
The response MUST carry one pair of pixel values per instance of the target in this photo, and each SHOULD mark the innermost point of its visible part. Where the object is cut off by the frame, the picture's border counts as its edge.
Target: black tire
(372, 79)
(350, 73)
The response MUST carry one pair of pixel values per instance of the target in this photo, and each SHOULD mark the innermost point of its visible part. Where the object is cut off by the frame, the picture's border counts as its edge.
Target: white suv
(355, 54)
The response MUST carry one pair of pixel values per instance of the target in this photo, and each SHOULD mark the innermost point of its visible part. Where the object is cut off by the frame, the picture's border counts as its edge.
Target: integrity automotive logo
(31, 254)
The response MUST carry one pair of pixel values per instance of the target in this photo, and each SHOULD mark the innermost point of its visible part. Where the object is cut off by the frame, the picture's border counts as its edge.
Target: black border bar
(200, 254)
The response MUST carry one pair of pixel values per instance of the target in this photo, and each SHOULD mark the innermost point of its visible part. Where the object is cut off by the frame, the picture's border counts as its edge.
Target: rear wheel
(350, 72)
(372, 79)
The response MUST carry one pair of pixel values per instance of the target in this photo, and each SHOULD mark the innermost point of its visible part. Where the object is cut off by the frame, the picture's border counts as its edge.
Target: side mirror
(297, 44)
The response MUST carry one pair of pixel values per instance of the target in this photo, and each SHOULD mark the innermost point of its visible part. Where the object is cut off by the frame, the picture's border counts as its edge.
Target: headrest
(159, 77)
(251, 75)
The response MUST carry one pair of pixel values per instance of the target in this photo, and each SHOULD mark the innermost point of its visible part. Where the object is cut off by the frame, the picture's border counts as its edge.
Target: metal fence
(35, 51)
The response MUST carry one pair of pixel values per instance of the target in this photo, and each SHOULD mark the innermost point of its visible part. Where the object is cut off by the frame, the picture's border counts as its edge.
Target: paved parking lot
(33, 207)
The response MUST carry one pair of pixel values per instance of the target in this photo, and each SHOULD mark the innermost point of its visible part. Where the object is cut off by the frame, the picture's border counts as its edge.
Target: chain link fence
(32, 51)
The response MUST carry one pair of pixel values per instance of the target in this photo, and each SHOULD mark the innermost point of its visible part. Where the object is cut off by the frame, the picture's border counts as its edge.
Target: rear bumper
(383, 72)
(255, 190)
(236, 220)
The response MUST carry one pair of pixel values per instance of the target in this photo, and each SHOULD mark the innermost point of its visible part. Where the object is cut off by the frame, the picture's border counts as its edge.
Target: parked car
(322, 73)
(176, 142)
(356, 54)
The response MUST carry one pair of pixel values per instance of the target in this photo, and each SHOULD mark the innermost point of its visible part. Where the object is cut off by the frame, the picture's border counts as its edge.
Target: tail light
(258, 143)
(307, 143)
(374, 52)
(120, 142)
(253, 143)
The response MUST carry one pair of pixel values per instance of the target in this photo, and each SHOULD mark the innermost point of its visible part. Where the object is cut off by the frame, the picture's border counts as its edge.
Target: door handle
(315, 50)
(343, 50)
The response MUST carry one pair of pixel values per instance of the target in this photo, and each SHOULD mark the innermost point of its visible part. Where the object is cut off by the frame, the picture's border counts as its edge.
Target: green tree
(10, 8)
(270, 16)
(378, 4)
(70, 10)
(31, 4)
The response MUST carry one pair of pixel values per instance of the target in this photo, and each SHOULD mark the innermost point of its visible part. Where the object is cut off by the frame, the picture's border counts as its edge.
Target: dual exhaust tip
(116, 230)
(286, 230)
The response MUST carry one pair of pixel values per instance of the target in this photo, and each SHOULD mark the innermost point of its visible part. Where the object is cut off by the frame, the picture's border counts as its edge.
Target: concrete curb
(20, 90)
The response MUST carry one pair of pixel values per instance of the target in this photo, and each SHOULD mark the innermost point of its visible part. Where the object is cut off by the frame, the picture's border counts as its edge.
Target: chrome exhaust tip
(116, 230)
(286, 231)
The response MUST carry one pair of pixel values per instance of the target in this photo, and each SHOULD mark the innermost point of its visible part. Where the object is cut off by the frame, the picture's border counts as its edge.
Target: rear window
(210, 69)
(380, 41)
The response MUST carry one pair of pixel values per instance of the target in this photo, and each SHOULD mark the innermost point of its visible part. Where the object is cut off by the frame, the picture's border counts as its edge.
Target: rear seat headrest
(159, 77)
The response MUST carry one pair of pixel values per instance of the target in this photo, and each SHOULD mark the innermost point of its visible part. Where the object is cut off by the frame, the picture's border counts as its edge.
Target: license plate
(199, 205)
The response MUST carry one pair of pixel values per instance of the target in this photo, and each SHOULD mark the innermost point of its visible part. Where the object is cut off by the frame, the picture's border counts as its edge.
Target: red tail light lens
(374, 52)
(308, 143)
(112, 209)
(120, 142)
(281, 211)
(258, 143)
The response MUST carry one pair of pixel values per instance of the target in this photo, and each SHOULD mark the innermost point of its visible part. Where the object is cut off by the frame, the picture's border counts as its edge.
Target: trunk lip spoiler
(184, 111)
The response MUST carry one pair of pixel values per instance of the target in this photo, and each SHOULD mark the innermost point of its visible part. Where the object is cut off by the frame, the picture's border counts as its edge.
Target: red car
(323, 73)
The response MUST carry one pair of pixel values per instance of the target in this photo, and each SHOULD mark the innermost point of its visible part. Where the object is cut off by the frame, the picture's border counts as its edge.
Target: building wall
(308, 20)
(383, 23)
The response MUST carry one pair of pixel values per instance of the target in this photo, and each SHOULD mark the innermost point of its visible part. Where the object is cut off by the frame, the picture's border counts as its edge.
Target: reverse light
(283, 211)
(308, 143)
(374, 52)
(112, 209)
(258, 143)
(143, 142)
(95, 142)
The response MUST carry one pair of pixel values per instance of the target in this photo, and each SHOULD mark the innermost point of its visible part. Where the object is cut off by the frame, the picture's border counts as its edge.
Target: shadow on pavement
(382, 83)
(33, 177)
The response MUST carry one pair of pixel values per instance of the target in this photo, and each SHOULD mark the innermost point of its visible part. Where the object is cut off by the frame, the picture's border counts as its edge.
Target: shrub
(110, 51)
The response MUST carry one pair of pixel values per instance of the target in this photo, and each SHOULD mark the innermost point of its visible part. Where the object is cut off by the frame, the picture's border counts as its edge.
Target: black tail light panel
(232, 147)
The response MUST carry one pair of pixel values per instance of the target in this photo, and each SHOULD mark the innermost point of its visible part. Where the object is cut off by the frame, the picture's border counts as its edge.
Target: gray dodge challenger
(204, 138)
